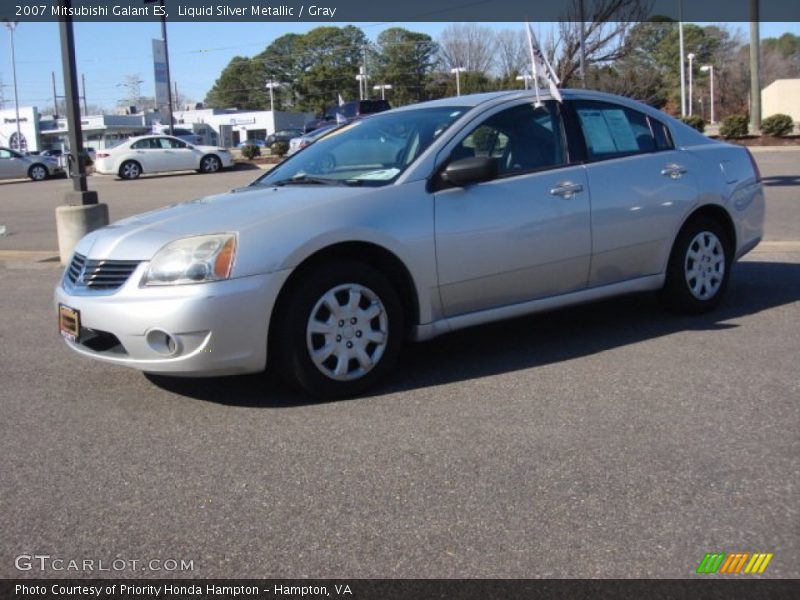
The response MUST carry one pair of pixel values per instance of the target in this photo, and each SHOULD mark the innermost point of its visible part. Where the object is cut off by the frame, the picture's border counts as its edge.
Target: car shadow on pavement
(527, 342)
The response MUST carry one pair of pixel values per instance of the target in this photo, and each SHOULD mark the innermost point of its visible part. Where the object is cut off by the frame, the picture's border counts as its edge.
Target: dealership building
(224, 127)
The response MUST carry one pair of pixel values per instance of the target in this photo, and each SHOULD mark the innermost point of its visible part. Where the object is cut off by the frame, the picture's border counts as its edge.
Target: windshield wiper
(305, 179)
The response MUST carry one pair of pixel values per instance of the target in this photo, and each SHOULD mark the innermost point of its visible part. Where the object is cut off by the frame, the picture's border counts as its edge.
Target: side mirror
(470, 170)
(190, 147)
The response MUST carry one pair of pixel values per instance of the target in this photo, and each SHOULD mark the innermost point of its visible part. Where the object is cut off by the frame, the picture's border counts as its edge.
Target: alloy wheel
(704, 266)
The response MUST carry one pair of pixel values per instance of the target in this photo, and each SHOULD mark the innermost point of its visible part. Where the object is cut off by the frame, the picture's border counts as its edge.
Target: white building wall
(781, 96)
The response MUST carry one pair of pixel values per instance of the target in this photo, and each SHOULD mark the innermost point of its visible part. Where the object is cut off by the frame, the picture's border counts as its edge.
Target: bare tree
(609, 23)
(512, 52)
(469, 46)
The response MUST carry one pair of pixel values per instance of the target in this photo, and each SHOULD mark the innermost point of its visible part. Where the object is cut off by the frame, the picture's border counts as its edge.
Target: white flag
(341, 100)
(541, 67)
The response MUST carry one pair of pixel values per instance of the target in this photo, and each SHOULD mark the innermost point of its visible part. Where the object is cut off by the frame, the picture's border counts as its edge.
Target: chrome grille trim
(100, 275)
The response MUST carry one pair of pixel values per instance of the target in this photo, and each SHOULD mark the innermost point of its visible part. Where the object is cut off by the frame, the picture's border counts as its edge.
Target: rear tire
(130, 169)
(339, 329)
(699, 267)
(38, 172)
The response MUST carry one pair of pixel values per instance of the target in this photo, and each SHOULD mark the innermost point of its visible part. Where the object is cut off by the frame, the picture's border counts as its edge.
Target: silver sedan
(411, 224)
(14, 165)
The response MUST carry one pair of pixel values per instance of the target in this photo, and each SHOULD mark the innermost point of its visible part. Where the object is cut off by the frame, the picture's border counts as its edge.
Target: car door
(147, 152)
(525, 234)
(641, 186)
(180, 156)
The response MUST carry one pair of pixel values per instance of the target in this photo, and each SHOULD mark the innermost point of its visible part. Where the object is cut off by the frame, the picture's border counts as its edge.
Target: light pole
(166, 58)
(710, 70)
(524, 77)
(458, 71)
(82, 213)
(691, 57)
(382, 87)
(12, 25)
(270, 86)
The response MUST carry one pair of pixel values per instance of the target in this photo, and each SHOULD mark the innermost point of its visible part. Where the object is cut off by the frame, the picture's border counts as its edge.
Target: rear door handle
(567, 189)
(673, 171)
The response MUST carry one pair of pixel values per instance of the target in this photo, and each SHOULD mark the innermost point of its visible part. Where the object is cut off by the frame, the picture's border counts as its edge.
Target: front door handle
(567, 189)
(673, 171)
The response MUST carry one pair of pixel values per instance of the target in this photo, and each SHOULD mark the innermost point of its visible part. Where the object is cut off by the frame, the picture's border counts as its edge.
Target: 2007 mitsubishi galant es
(410, 224)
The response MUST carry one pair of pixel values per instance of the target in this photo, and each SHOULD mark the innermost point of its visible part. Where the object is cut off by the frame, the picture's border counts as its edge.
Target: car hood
(245, 210)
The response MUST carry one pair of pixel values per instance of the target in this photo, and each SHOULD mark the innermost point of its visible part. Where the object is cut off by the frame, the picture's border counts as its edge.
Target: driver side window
(522, 139)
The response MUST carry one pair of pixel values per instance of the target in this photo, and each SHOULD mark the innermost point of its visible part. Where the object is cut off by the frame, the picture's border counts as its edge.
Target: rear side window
(661, 135)
(612, 131)
(145, 144)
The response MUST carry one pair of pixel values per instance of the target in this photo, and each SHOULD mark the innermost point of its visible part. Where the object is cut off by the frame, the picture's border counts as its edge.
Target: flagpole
(534, 71)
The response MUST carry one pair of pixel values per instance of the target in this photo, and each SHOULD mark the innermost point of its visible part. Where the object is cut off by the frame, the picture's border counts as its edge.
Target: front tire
(699, 267)
(130, 169)
(38, 172)
(210, 164)
(340, 329)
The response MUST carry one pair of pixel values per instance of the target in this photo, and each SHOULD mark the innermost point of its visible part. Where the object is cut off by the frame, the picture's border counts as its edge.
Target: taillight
(753, 162)
(102, 155)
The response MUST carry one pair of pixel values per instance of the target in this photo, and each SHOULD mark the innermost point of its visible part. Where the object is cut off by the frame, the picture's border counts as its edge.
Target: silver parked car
(410, 224)
(14, 165)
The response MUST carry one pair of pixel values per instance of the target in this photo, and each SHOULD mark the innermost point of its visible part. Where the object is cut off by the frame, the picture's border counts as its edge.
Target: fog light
(162, 342)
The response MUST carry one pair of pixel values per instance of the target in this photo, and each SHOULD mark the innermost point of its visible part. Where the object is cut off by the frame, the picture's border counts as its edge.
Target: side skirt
(428, 331)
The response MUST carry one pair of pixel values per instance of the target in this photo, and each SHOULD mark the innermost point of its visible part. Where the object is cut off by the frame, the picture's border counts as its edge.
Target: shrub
(279, 148)
(734, 126)
(695, 122)
(777, 125)
(251, 151)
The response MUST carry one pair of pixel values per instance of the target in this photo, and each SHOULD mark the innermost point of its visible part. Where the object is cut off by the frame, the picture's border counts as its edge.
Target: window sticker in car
(597, 132)
(620, 128)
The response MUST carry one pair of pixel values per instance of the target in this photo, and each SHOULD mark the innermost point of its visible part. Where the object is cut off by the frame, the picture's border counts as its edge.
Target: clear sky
(106, 52)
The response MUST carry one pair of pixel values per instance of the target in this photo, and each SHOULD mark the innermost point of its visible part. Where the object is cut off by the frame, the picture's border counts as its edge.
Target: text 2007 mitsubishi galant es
(410, 224)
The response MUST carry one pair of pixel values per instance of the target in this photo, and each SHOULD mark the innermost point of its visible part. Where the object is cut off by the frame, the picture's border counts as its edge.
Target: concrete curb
(757, 149)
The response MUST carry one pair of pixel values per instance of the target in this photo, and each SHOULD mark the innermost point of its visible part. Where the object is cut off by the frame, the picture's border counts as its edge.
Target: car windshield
(373, 151)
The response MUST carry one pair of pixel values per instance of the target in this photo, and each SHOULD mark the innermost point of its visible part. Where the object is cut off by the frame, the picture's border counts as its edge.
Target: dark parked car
(284, 135)
(347, 112)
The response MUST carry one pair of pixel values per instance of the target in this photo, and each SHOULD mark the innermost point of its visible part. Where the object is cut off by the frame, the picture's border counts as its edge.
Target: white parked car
(14, 165)
(160, 153)
(413, 223)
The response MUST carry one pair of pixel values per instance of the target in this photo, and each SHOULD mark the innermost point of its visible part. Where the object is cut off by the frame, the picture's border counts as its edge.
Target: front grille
(99, 274)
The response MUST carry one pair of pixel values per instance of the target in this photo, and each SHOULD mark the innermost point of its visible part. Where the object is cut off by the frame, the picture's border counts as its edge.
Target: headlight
(193, 260)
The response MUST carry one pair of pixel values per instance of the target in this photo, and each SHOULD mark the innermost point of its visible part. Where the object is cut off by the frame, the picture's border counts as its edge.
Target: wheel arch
(206, 155)
(127, 160)
(720, 215)
(374, 255)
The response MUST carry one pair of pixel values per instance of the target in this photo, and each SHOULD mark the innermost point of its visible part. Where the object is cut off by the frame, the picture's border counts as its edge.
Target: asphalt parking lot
(609, 440)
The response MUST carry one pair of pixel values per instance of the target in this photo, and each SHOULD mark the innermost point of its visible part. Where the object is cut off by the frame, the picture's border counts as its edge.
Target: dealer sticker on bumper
(69, 322)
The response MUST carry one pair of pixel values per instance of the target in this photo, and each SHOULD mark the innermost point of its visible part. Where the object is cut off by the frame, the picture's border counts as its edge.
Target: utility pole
(83, 88)
(55, 96)
(755, 69)
(82, 213)
(177, 101)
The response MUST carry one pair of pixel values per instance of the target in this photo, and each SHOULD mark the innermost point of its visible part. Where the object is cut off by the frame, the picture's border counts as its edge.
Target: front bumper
(218, 328)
